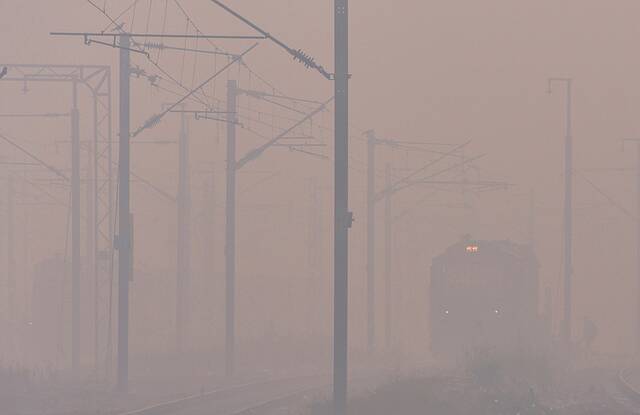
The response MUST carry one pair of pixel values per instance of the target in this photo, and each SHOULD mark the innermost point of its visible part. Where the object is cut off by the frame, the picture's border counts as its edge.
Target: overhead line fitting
(298, 55)
(88, 41)
(309, 62)
(155, 119)
(256, 152)
(140, 72)
(162, 46)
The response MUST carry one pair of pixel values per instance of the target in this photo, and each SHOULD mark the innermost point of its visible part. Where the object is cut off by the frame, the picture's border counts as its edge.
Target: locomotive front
(484, 296)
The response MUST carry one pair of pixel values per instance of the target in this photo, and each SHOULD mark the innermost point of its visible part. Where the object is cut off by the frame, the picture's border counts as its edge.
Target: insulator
(153, 45)
(153, 121)
(137, 71)
(307, 60)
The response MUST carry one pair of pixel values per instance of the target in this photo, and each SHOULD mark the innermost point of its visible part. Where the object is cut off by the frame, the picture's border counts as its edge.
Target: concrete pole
(25, 249)
(93, 228)
(211, 223)
(230, 229)
(343, 218)
(371, 241)
(568, 220)
(124, 216)
(209, 257)
(638, 244)
(11, 261)
(75, 229)
(184, 237)
(387, 258)
(568, 213)
(110, 232)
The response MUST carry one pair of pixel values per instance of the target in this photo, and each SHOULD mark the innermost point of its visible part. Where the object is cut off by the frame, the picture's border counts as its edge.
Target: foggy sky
(445, 71)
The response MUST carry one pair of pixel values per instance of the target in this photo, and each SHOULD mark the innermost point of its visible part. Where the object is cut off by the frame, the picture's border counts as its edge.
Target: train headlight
(471, 248)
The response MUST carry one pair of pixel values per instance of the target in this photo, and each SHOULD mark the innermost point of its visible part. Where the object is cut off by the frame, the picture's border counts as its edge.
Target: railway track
(627, 394)
(240, 399)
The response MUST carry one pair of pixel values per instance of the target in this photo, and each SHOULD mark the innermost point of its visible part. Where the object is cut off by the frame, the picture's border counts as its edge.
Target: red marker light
(472, 248)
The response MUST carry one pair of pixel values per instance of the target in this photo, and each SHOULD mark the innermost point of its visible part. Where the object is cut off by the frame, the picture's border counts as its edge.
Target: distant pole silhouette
(11, 262)
(387, 259)
(230, 229)
(124, 216)
(637, 218)
(371, 240)
(75, 229)
(638, 246)
(568, 211)
(183, 274)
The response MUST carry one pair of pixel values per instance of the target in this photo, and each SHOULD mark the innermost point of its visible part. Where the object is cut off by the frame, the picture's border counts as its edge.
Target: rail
(625, 387)
(180, 404)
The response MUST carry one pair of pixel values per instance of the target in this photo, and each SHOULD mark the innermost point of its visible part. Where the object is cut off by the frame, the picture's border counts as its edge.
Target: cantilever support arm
(155, 119)
(256, 152)
(396, 186)
(405, 183)
(298, 54)
(34, 157)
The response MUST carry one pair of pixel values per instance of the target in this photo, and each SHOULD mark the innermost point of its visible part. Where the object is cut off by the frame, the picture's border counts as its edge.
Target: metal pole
(342, 217)
(209, 263)
(568, 219)
(371, 241)
(110, 233)
(75, 229)
(11, 262)
(93, 224)
(25, 241)
(387, 259)
(567, 228)
(638, 245)
(184, 238)
(230, 229)
(124, 230)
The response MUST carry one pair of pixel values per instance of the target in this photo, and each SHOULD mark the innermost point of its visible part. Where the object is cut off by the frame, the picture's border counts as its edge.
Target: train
(484, 297)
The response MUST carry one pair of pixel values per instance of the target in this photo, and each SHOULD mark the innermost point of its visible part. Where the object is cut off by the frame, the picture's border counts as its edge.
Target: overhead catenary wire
(408, 177)
(39, 115)
(426, 180)
(103, 11)
(253, 154)
(242, 62)
(163, 46)
(160, 35)
(198, 36)
(32, 156)
(297, 55)
(118, 28)
(155, 119)
(611, 200)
